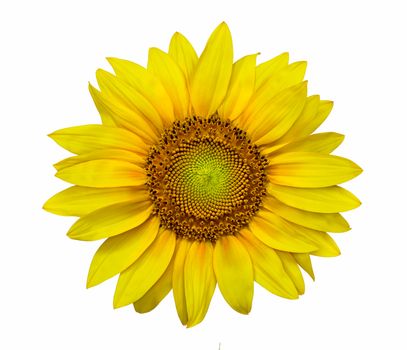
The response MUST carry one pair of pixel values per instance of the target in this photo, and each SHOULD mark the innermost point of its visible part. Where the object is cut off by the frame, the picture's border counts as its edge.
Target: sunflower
(204, 172)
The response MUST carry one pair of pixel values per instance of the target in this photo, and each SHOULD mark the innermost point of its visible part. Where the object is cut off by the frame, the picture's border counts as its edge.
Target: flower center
(206, 178)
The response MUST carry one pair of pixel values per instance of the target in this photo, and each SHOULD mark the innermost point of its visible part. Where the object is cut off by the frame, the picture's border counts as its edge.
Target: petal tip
(340, 136)
(359, 169)
(118, 302)
(292, 296)
(92, 89)
(224, 27)
(191, 324)
(46, 207)
(92, 281)
(111, 59)
(71, 234)
(89, 284)
(245, 310)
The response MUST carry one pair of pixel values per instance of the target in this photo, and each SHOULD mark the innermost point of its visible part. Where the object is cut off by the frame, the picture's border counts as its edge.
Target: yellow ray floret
(234, 273)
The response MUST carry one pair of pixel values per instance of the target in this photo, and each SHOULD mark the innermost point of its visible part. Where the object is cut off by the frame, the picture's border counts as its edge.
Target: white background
(356, 54)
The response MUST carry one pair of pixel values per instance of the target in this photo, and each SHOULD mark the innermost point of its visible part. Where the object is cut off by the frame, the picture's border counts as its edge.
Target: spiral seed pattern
(205, 178)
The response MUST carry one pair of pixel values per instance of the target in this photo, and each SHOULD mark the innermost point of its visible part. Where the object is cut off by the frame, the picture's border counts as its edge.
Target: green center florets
(206, 179)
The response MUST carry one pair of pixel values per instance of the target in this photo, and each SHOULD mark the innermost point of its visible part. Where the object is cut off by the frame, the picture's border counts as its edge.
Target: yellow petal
(281, 80)
(119, 252)
(104, 173)
(292, 269)
(311, 118)
(184, 54)
(118, 154)
(268, 269)
(178, 281)
(80, 201)
(325, 142)
(277, 116)
(125, 117)
(241, 87)
(326, 245)
(89, 138)
(304, 260)
(200, 281)
(172, 78)
(274, 231)
(146, 84)
(307, 169)
(234, 273)
(156, 293)
(212, 75)
(266, 70)
(110, 221)
(104, 112)
(305, 118)
(318, 221)
(284, 78)
(332, 199)
(138, 278)
(124, 94)
(119, 93)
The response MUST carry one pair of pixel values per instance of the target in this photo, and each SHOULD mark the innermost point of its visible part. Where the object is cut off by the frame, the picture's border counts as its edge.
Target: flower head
(204, 172)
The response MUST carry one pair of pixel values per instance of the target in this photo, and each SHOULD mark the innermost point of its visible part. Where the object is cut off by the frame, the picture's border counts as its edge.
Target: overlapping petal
(124, 116)
(119, 252)
(276, 117)
(304, 260)
(268, 69)
(122, 94)
(268, 269)
(312, 116)
(211, 78)
(110, 221)
(156, 293)
(241, 87)
(333, 199)
(138, 278)
(199, 281)
(146, 84)
(89, 138)
(80, 201)
(178, 279)
(103, 173)
(325, 142)
(102, 154)
(291, 268)
(326, 246)
(276, 233)
(310, 169)
(261, 100)
(333, 222)
(173, 79)
(234, 273)
(184, 54)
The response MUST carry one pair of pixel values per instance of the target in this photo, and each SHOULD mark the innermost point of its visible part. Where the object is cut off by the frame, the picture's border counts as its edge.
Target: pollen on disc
(206, 178)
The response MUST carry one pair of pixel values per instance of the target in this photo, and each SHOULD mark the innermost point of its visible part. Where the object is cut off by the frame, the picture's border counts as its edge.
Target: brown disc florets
(205, 178)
